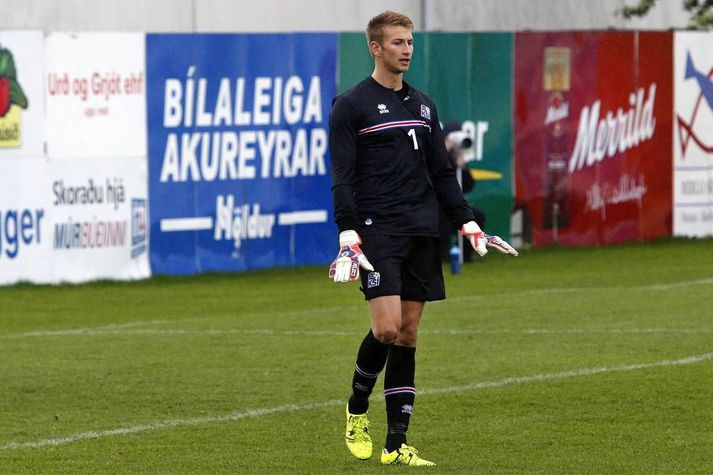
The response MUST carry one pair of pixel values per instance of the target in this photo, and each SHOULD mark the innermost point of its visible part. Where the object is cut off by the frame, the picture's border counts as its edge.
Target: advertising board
(25, 228)
(593, 136)
(96, 95)
(98, 214)
(21, 97)
(693, 134)
(238, 150)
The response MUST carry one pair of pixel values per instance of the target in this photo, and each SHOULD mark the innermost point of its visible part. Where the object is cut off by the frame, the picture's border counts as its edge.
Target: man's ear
(375, 48)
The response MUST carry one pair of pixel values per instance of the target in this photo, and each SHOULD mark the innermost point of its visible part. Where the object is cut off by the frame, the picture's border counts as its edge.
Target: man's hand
(479, 240)
(475, 236)
(500, 244)
(345, 266)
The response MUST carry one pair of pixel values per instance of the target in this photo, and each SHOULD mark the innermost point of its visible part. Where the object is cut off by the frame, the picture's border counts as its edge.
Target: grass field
(560, 361)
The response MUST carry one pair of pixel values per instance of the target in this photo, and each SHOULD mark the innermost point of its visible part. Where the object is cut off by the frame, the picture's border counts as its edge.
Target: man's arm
(443, 177)
(343, 147)
(450, 196)
(343, 151)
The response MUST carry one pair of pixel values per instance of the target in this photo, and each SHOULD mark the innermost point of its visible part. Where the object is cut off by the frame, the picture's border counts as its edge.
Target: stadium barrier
(125, 154)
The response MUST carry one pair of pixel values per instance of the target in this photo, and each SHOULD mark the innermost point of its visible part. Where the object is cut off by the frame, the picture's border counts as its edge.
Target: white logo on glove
(479, 240)
(349, 259)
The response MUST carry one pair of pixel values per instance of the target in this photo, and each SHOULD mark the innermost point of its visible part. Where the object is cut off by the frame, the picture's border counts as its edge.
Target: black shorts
(409, 266)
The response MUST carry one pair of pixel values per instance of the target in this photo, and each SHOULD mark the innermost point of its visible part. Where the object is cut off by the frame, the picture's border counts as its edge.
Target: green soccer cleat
(357, 435)
(405, 455)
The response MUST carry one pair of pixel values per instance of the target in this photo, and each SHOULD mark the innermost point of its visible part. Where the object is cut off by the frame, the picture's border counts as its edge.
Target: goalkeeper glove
(345, 266)
(479, 240)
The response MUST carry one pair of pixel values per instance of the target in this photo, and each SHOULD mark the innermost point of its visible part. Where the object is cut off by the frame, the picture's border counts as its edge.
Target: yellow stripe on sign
(485, 174)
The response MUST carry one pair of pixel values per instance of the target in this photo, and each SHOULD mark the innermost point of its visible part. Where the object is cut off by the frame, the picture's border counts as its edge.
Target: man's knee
(407, 336)
(386, 334)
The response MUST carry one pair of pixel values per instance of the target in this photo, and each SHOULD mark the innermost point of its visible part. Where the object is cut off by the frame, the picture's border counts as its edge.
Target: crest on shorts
(425, 112)
(373, 280)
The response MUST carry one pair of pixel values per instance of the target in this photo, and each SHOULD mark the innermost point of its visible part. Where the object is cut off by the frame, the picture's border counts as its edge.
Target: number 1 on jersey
(412, 133)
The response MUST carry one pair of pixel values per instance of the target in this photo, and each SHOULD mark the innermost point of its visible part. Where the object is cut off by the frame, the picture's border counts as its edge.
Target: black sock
(399, 393)
(370, 361)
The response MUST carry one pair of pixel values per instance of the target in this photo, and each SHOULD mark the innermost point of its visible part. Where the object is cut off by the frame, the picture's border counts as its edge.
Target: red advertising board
(593, 153)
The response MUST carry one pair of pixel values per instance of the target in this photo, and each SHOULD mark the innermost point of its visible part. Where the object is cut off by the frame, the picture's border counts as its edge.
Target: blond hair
(375, 28)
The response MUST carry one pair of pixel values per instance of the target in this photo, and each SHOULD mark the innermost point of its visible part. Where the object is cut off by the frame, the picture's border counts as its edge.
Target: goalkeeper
(390, 172)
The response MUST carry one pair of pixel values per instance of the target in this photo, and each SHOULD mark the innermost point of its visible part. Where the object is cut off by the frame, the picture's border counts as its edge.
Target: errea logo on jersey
(382, 109)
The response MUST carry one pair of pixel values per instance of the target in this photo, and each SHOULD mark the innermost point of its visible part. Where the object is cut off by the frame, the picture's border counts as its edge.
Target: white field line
(104, 329)
(337, 333)
(342, 309)
(82, 330)
(153, 426)
(290, 408)
(564, 290)
(573, 331)
(570, 374)
(676, 285)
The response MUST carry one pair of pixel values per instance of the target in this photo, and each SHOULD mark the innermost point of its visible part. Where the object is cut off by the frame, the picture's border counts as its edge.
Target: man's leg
(374, 349)
(399, 380)
(371, 358)
(421, 281)
(400, 390)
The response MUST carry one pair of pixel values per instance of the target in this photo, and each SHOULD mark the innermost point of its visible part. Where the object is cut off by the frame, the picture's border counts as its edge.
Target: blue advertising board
(238, 150)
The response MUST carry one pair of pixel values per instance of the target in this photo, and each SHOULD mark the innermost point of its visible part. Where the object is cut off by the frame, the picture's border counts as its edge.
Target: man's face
(396, 50)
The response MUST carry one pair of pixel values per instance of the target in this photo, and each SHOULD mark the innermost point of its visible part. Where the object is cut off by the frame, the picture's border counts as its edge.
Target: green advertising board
(469, 77)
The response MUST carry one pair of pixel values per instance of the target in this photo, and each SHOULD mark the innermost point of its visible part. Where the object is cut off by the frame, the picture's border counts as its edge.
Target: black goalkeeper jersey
(390, 169)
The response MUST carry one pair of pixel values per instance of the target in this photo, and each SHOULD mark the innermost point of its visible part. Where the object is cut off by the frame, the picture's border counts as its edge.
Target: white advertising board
(98, 211)
(21, 94)
(96, 95)
(25, 229)
(693, 134)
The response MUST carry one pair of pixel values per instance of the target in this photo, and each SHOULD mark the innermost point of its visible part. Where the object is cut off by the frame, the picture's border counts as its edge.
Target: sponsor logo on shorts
(373, 280)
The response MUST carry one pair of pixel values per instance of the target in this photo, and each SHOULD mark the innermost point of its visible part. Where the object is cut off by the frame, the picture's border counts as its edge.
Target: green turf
(527, 368)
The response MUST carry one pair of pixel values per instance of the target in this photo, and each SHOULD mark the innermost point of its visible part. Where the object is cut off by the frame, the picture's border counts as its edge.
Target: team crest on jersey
(373, 280)
(382, 109)
(425, 112)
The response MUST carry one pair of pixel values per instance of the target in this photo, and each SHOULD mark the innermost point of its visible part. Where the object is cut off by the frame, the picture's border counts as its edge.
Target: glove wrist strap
(471, 228)
(349, 238)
